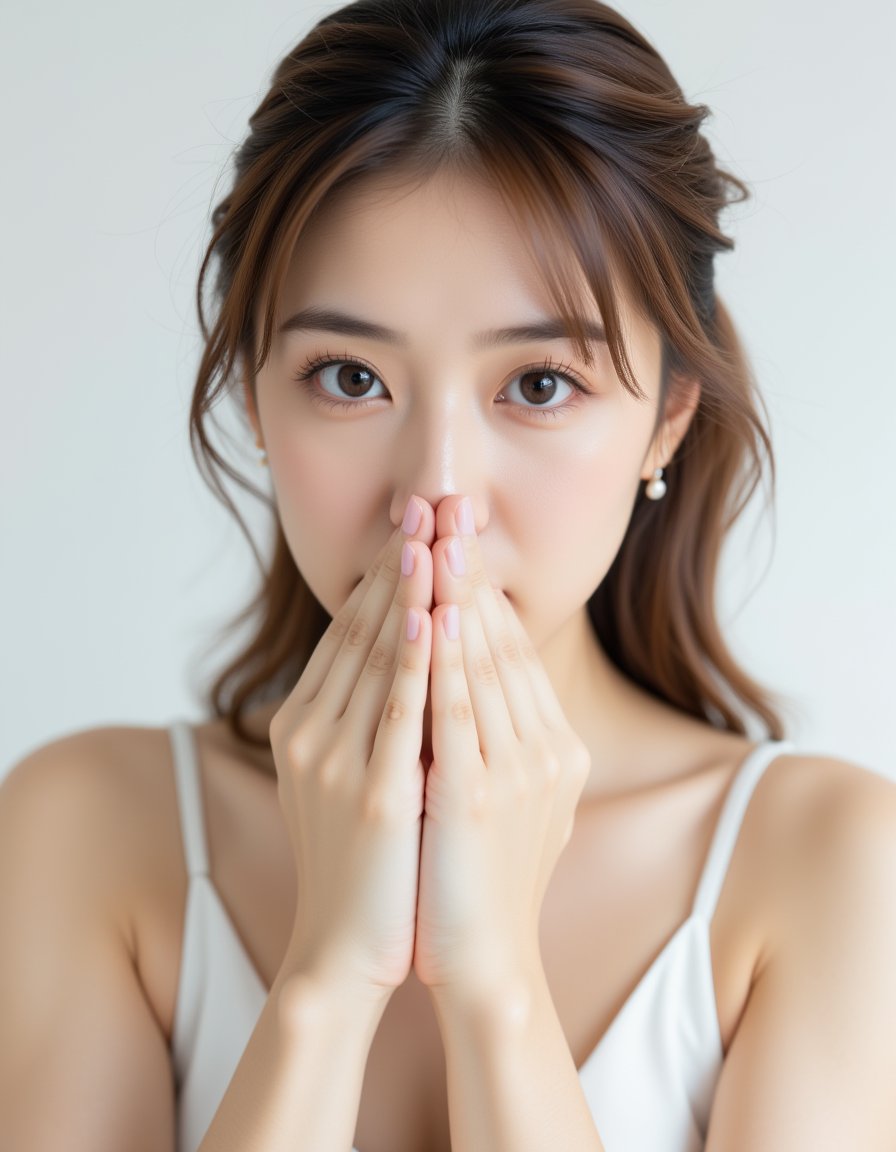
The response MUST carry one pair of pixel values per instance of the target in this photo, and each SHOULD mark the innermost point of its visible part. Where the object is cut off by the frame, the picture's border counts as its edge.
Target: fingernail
(407, 560)
(455, 554)
(464, 517)
(412, 516)
(451, 622)
(413, 624)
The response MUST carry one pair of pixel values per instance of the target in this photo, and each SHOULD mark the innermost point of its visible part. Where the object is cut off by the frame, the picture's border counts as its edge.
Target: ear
(681, 404)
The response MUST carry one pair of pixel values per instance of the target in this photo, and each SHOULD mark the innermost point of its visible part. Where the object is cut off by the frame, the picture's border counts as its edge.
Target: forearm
(512, 1082)
(298, 1084)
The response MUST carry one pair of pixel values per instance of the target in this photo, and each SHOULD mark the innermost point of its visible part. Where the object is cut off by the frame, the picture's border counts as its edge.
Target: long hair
(567, 111)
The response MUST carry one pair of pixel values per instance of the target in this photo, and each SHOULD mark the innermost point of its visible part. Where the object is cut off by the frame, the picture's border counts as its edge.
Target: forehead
(443, 257)
(404, 231)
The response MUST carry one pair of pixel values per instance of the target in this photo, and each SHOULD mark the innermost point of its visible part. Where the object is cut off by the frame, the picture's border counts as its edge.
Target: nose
(441, 451)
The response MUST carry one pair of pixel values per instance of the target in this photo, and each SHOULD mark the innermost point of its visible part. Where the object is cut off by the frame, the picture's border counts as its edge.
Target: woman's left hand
(501, 792)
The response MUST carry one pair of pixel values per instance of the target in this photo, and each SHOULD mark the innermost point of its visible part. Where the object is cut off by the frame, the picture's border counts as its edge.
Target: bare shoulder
(97, 799)
(77, 869)
(818, 829)
(92, 818)
(821, 1011)
(841, 851)
(818, 811)
(113, 755)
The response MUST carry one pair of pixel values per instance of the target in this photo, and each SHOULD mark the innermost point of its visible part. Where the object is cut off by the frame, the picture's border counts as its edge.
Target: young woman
(475, 851)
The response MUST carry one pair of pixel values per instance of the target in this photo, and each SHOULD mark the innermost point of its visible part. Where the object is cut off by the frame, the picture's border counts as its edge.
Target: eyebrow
(330, 320)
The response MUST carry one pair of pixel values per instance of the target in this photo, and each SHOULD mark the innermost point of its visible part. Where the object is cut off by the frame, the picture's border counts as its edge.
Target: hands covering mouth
(428, 775)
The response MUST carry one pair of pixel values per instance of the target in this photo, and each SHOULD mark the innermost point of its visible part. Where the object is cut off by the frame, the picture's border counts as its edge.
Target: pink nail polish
(407, 560)
(413, 515)
(451, 622)
(464, 517)
(455, 554)
(413, 624)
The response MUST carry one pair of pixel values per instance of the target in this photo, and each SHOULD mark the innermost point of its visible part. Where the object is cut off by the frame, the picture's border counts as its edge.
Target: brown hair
(567, 111)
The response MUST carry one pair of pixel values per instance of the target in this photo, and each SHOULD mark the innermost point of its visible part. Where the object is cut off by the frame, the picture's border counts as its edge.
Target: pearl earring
(262, 455)
(656, 488)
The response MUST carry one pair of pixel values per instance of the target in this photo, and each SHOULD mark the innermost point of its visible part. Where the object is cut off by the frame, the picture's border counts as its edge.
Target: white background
(117, 565)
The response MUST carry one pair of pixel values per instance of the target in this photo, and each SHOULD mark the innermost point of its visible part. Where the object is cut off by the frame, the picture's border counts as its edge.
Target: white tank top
(649, 1082)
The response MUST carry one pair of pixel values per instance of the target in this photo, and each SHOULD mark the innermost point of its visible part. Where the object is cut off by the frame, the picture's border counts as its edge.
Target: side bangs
(565, 227)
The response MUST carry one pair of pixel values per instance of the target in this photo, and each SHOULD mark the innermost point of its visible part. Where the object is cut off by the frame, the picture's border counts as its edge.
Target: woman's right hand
(347, 743)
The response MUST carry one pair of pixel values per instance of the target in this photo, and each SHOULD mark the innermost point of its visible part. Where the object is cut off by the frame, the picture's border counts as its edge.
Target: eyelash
(309, 370)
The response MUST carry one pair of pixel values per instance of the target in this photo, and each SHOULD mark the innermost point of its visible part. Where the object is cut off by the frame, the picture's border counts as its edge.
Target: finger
(365, 645)
(349, 629)
(542, 689)
(399, 733)
(455, 736)
(499, 641)
(353, 630)
(372, 685)
(490, 707)
(322, 657)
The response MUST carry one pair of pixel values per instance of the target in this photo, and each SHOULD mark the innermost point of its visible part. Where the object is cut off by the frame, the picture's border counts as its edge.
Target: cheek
(584, 497)
(322, 512)
(306, 479)
(571, 520)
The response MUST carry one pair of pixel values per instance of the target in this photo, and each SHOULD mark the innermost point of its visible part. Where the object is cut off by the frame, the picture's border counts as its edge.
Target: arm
(83, 1063)
(813, 1062)
(501, 794)
(354, 817)
(512, 1081)
(298, 1083)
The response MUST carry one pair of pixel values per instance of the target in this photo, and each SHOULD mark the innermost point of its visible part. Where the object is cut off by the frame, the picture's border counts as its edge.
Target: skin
(551, 495)
(438, 867)
(425, 787)
(441, 864)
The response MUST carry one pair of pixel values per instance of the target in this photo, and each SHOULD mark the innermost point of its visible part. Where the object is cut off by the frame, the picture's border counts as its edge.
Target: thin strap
(728, 826)
(189, 796)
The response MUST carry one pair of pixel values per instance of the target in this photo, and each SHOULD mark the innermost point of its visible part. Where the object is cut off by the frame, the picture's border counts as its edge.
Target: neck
(626, 729)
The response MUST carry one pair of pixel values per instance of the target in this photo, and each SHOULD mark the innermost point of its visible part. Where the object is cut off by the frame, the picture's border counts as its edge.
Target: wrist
(502, 1001)
(309, 1001)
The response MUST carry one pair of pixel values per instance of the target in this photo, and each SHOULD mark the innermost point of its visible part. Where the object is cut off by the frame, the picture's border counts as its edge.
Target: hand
(346, 743)
(501, 793)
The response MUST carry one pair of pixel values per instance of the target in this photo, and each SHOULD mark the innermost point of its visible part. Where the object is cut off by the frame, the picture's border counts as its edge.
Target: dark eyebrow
(328, 320)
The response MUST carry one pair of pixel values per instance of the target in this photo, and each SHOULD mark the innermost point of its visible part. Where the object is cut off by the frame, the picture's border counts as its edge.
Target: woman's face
(437, 408)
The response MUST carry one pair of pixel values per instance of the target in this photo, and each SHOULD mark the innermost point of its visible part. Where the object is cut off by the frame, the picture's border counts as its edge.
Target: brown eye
(540, 387)
(352, 380)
